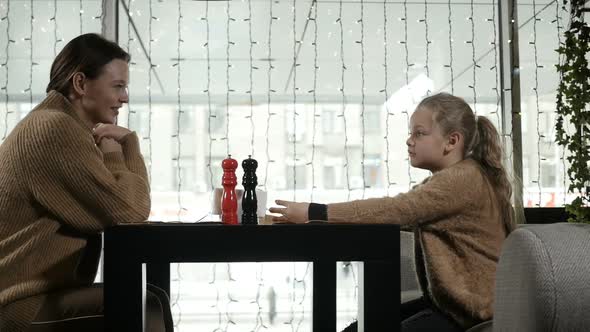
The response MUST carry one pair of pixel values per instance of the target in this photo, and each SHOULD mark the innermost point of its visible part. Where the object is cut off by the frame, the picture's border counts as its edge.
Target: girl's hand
(291, 212)
(105, 130)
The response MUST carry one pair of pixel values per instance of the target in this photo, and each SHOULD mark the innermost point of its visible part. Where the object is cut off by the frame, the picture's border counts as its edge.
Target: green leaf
(573, 98)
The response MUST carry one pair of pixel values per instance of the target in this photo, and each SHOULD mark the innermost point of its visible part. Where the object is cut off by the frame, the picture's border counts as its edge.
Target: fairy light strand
(151, 64)
(260, 285)
(343, 100)
(363, 129)
(54, 19)
(229, 19)
(177, 159)
(132, 63)
(251, 69)
(269, 90)
(210, 116)
(473, 60)
(103, 23)
(314, 95)
(80, 12)
(295, 65)
(230, 299)
(538, 111)
(29, 89)
(180, 111)
(301, 302)
(385, 91)
(407, 78)
(494, 68)
(213, 281)
(427, 41)
(291, 320)
(450, 65)
(9, 40)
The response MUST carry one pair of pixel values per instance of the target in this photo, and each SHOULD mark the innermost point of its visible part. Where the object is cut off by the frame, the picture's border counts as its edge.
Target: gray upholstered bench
(542, 281)
(410, 289)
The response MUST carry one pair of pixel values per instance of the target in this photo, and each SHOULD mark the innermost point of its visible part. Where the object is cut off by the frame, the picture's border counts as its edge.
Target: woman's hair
(88, 54)
(482, 143)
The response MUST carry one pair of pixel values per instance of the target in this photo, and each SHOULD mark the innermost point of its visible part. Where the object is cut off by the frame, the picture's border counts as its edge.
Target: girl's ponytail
(487, 150)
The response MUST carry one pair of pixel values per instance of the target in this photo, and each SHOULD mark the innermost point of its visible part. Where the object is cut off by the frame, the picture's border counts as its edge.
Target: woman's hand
(107, 145)
(105, 130)
(291, 212)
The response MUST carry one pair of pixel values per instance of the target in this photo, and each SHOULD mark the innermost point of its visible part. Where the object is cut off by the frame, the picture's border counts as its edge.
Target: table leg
(158, 274)
(124, 294)
(324, 296)
(381, 296)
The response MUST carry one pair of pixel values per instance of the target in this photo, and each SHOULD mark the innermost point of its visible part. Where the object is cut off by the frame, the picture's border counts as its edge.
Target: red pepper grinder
(229, 200)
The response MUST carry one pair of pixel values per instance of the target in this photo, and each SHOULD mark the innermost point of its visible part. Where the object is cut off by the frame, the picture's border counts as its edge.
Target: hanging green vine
(573, 100)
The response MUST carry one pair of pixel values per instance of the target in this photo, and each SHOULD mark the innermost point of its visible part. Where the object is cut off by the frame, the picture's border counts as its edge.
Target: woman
(67, 172)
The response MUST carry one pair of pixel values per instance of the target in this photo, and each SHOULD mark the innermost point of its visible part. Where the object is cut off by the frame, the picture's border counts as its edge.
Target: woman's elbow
(141, 213)
(134, 213)
(139, 210)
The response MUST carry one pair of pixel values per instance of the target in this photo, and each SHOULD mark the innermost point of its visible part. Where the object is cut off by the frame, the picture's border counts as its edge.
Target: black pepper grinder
(249, 201)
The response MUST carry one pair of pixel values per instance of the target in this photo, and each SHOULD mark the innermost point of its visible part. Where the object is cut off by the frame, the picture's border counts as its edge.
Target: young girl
(460, 215)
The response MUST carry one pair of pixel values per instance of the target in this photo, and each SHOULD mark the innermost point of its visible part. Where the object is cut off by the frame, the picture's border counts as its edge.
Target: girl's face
(107, 93)
(426, 144)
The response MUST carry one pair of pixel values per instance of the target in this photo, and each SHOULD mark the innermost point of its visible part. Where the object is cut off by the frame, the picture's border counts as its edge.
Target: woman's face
(107, 93)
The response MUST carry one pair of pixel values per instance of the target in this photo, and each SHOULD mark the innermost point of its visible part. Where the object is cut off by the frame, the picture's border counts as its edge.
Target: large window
(319, 92)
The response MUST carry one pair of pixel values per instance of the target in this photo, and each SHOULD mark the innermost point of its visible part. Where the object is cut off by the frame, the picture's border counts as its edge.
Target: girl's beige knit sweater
(58, 192)
(458, 233)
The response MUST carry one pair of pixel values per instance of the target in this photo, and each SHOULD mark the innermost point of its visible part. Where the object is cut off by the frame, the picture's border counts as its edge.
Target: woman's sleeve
(69, 177)
(132, 154)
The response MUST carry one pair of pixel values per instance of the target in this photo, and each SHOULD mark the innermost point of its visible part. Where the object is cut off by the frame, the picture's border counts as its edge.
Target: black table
(128, 246)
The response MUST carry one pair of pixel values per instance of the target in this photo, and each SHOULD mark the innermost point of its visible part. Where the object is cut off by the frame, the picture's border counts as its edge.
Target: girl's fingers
(282, 202)
(277, 210)
(279, 219)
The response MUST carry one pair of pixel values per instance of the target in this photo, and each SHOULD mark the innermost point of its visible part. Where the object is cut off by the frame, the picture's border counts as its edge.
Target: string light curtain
(541, 25)
(320, 93)
(310, 69)
(32, 33)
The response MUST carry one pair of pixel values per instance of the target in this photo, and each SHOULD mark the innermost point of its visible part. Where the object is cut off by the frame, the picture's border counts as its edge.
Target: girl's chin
(417, 164)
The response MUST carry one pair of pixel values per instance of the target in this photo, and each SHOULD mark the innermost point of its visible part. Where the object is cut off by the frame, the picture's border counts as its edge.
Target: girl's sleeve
(446, 193)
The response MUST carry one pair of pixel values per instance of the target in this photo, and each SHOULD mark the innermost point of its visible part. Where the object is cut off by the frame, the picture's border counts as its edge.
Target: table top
(128, 246)
(215, 242)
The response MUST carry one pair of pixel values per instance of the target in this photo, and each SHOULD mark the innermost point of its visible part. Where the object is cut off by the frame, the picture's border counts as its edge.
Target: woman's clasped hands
(108, 136)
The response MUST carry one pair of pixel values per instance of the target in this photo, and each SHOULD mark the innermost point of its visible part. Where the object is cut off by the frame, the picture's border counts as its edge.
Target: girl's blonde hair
(482, 143)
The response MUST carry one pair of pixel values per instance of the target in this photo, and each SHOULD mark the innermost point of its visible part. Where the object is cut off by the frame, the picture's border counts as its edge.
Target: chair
(410, 289)
(542, 281)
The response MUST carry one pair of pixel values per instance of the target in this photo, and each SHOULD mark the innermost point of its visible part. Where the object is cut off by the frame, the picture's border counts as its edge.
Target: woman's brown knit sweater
(458, 233)
(58, 191)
